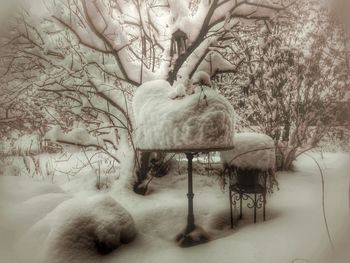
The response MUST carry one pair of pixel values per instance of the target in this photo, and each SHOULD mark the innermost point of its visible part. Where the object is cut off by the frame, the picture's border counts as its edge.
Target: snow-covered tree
(94, 53)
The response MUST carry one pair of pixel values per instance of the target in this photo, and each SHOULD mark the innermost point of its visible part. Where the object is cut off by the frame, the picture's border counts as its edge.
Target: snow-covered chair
(251, 167)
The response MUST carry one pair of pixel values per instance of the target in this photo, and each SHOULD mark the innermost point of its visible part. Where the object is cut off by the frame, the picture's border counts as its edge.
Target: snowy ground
(294, 229)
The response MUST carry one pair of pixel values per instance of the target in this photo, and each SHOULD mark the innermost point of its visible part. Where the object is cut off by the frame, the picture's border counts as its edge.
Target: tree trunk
(140, 186)
(286, 131)
(285, 158)
(287, 165)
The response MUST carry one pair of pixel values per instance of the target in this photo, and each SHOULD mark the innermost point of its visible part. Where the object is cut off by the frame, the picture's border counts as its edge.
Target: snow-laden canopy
(203, 120)
(251, 151)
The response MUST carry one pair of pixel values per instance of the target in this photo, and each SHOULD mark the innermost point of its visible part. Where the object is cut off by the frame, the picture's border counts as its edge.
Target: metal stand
(255, 195)
(192, 234)
(185, 239)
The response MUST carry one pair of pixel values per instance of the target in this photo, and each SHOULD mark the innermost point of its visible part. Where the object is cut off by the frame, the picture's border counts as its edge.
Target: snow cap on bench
(203, 120)
(251, 151)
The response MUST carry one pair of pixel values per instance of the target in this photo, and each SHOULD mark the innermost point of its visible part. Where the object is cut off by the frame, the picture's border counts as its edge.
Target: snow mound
(198, 121)
(252, 151)
(79, 229)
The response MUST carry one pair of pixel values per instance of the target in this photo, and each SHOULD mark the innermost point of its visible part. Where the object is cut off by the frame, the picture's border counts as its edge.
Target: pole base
(196, 237)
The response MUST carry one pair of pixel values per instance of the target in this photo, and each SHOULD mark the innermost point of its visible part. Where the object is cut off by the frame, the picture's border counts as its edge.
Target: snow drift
(251, 151)
(198, 121)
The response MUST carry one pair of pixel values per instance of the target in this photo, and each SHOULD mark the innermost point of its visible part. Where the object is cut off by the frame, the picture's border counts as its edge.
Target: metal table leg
(185, 239)
(190, 216)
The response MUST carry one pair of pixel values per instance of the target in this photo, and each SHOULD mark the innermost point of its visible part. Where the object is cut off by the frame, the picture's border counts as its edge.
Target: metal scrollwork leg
(240, 206)
(255, 196)
(230, 195)
(231, 211)
(255, 203)
(234, 199)
(264, 206)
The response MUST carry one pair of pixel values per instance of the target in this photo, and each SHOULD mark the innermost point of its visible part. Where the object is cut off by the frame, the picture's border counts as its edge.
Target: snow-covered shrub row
(201, 120)
(251, 151)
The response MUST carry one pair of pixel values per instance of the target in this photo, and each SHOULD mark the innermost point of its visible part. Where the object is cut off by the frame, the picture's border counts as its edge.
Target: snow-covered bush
(293, 87)
(79, 229)
(199, 121)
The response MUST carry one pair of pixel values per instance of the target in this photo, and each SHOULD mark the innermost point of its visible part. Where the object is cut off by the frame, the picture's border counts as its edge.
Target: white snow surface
(251, 151)
(197, 121)
(294, 230)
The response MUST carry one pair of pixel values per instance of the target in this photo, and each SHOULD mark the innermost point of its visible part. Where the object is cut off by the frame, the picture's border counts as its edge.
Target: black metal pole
(230, 194)
(190, 216)
(240, 206)
(255, 205)
(231, 211)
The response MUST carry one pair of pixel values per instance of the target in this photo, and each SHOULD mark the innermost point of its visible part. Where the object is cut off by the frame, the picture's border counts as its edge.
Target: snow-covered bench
(251, 166)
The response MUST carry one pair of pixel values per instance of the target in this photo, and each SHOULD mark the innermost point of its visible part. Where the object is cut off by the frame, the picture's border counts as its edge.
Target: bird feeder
(188, 125)
(178, 43)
